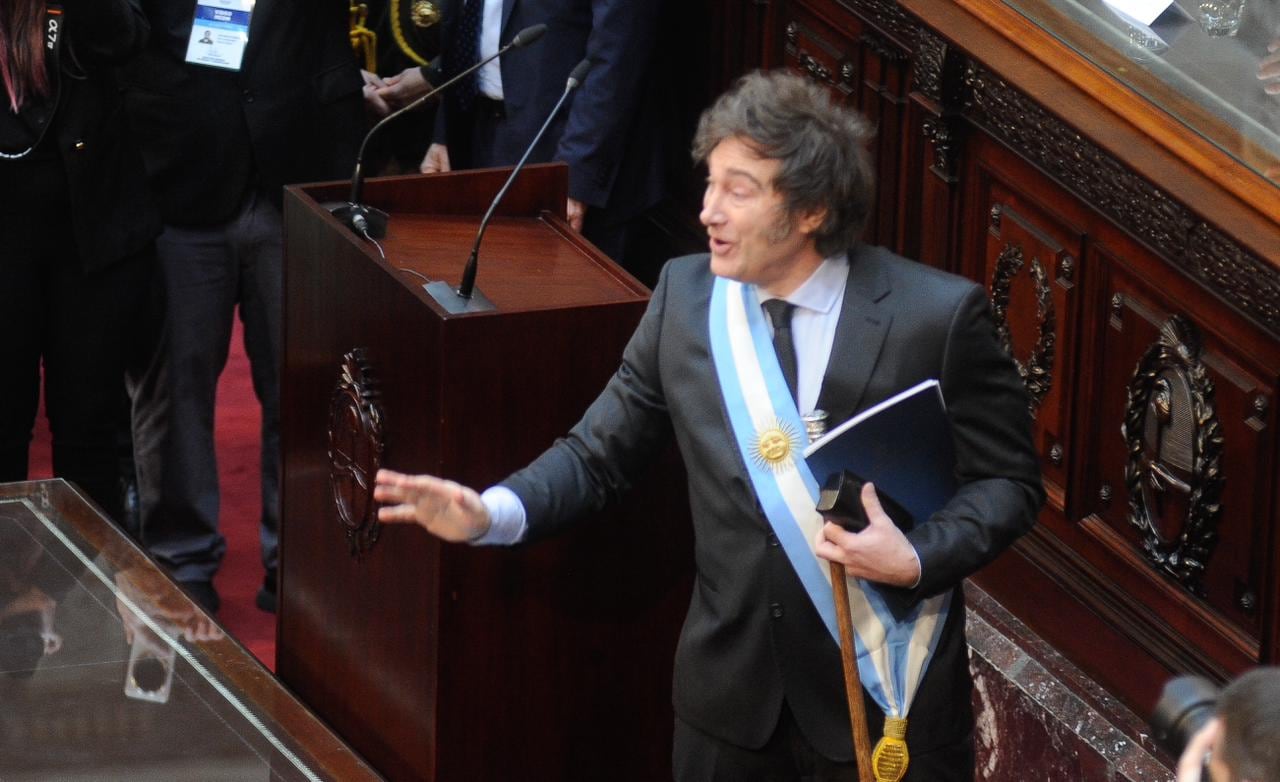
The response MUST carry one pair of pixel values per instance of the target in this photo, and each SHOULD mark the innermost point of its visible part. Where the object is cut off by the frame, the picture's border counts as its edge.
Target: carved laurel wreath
(1185, 558)
(1037, 372)
(355, 450)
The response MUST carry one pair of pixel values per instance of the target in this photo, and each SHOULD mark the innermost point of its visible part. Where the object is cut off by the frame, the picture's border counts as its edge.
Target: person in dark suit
(219, 142)
(758, 689)
(604, 134)
(397, 43)
(76, 226)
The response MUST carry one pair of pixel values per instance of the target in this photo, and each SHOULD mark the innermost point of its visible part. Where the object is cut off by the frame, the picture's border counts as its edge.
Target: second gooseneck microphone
(468, 283)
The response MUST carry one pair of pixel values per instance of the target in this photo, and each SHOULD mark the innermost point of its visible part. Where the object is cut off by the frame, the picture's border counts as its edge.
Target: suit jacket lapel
(860, 334)
(507, 7)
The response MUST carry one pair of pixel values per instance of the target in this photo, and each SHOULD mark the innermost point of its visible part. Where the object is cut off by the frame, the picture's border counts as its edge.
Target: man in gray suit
(758, 691)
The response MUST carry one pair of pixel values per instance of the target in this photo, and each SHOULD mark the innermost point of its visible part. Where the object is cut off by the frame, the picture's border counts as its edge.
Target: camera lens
(1186, 704)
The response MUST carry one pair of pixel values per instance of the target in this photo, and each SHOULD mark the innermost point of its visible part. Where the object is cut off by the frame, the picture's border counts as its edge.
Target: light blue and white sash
(893, 653)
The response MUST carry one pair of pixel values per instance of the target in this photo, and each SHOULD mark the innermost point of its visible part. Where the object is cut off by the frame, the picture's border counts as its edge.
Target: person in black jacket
(275, 99)
(76, 227)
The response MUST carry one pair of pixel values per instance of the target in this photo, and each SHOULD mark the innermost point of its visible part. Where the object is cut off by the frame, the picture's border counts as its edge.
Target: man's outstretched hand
(448, 510)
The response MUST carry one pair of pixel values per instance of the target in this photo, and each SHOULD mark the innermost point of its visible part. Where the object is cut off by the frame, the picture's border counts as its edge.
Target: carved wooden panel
(864, 68)
(1030, 264)
(1182, 455)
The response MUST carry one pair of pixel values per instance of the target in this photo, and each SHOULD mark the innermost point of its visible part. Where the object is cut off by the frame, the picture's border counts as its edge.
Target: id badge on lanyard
(220, 33)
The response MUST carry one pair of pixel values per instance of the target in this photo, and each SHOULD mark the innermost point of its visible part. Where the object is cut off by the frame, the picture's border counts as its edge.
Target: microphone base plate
(345, 212)
(447, 296)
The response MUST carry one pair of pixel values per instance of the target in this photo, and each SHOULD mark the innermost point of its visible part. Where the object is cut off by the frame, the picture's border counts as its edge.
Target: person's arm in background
(107, 30)
(620, 47)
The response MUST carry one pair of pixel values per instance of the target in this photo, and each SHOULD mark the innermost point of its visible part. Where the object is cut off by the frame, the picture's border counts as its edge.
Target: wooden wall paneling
(883, 99)
(929, 211)
(1207, 535)
(1027, 245)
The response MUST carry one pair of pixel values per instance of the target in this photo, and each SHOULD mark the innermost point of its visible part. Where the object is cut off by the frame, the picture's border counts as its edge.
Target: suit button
(79, 146)
(776, 610)
(773, 540)
(248, 96)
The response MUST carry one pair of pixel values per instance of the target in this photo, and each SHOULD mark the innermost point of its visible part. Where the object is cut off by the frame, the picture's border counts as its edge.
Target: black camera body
(1185, 705)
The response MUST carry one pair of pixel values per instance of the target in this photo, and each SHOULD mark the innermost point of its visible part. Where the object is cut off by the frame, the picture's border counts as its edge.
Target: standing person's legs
(260, 251)
(23, 297)
(90, 323)
(173, 407)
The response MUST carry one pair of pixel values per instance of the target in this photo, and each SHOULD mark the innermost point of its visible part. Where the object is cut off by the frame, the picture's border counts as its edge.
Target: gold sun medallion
(775, 446)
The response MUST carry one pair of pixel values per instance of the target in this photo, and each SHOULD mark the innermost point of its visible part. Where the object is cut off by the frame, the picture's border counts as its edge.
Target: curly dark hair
(821, 146)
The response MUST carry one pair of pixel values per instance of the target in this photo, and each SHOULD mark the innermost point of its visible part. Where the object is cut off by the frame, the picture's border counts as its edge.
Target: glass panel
(108, 672)
(1185, 63)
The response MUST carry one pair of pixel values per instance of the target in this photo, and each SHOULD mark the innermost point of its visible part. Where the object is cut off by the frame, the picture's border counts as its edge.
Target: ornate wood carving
(1139, 207)
(1239, 277)
(942, 133)
(889, 17)
(1175, 446)
(356, 443)
(1037, 372)
(883, 48)
(931, 51)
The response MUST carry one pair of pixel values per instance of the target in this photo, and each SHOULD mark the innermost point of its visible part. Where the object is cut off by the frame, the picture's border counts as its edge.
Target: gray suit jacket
(752, 637)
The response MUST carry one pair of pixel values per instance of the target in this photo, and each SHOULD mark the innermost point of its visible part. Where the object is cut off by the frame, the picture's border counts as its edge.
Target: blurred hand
(1193, 757)
(436, 160)
(374, 102)
(1269, 69)
(404, 88)
(448, 510)
(577, 213)
(162, 603)
(879, 553)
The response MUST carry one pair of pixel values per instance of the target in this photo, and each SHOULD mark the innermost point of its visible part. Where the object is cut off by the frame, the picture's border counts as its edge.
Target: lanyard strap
(53, 23)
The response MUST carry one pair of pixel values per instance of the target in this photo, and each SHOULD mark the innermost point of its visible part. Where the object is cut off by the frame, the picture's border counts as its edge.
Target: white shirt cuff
(507, 524)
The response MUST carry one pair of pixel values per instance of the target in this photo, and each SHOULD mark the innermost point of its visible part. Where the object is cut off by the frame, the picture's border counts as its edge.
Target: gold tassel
(364, 42)
(890, 758)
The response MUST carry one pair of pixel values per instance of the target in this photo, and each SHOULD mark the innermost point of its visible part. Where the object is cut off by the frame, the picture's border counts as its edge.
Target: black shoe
(203, 593)
(266, 599)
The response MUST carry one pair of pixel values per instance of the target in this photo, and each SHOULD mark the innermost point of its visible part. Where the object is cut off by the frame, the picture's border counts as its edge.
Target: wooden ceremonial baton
(852, 681)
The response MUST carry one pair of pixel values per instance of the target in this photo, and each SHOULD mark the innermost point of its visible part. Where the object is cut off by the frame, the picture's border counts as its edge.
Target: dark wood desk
(78, 700)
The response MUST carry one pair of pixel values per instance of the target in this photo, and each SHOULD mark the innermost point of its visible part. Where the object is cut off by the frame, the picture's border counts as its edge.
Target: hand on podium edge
(879, 553)
(436, 160)
(577, 212)
(446, 509)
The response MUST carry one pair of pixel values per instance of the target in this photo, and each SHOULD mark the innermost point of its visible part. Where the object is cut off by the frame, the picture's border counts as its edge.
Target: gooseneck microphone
(466, 298)
(373, 221)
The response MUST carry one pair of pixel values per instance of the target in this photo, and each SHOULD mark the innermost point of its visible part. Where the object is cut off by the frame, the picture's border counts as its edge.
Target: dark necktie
(465, 52)
(783, 344)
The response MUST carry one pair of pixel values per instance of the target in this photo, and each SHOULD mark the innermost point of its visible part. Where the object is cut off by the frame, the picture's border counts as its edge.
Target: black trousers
(698, 756)
(80, 326)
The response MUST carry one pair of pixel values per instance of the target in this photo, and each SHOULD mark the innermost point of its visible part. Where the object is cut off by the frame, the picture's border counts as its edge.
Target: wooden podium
(438, 661)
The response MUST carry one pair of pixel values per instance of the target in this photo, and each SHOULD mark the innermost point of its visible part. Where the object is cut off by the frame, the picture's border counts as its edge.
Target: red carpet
(236, 430)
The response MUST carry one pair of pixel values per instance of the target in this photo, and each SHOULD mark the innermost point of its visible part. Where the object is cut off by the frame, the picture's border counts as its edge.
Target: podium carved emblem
(355, 450)
(1174, 472)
